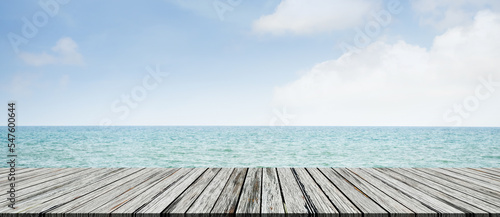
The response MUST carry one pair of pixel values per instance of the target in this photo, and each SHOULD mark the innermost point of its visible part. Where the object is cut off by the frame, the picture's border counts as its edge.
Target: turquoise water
(257, 147)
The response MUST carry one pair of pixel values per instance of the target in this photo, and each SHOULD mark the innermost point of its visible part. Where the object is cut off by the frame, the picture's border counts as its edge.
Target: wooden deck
(346, 192)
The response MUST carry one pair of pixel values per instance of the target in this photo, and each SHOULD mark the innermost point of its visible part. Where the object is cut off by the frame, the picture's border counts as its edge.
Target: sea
(248, 146)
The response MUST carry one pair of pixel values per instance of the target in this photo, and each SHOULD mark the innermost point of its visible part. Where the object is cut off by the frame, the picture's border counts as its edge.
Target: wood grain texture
(26, 173)
(89, 185)
(132, 195)
(363, 202)
(412, 203)
(207, 199)
(472, 181)
(319, 202)
(181, 204)
(487, 170)
(250, 199)
(49, 175)
(430, 179)
(228, 199)
(344, 192)
(443, 193)
(50, 188)
(119, 196)
(490, 171)
(461, 182)
(161, 201)
(294, 200)
(440, 206)
(340, 201)
(148, 194)
(272, 202)
(98, 197)
(385, 201)
(477, 174)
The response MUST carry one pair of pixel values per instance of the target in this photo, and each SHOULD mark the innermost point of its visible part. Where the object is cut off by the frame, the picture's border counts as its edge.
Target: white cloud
(65, 52)
(305, 17)
(37, 59)
(443, 14)
(22, 84)
(401, 83)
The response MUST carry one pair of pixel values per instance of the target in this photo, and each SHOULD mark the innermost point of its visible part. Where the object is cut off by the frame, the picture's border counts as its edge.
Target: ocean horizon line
(406, 126)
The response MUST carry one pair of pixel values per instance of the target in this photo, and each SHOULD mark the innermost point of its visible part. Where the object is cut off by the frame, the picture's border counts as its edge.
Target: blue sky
(252, 63)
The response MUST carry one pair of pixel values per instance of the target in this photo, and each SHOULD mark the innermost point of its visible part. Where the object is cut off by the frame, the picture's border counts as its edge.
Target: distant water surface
(258, 147)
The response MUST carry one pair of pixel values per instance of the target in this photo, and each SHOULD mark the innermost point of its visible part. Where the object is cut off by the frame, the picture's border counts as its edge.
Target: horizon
(451, 127)
(395, 63)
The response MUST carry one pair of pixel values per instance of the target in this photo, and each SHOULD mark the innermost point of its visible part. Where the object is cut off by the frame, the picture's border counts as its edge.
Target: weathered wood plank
(345, 207)
(446, 198)
(94, 197)
(478, 175)
(106, 202)
(272, 202)
(320, 204)
(228, 200)
(364, 203)
(37, 193)
(162, 192)
(47, 180)
(20, 169)
(488, 170)
(207, 199)
(250, 199)
(45, 190)
(472, 181)
(93, 183)
(497, 169)
(180, 205)
(131, 194)
(385, 201)
(42, 174)
(295, 202)
(443, 208)
(473, 176)
(24, 173)
(162, 200)
(461, 182)
(142, 199)
(464, 202)
(484, 172)
(451, 187)
(421, 209)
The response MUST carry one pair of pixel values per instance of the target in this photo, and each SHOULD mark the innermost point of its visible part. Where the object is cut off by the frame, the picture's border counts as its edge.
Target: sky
(257, 63)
